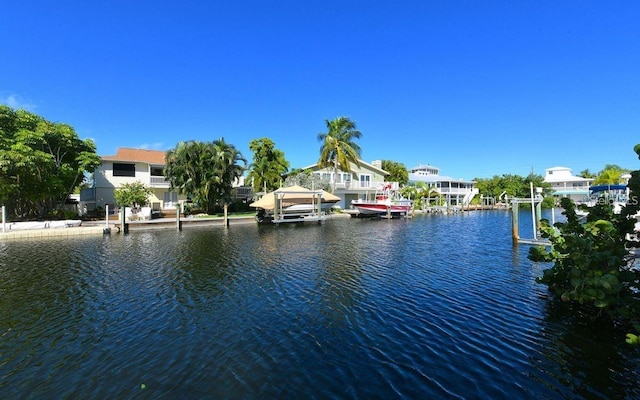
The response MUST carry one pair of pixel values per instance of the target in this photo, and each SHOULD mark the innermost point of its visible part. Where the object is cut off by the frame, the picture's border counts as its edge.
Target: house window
(124, 169)
(365, 181)
(157, 171)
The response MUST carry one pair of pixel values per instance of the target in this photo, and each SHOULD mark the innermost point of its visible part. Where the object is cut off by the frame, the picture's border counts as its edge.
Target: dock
(290, 218)
(98, 228)
(534, 242)
(357, 214)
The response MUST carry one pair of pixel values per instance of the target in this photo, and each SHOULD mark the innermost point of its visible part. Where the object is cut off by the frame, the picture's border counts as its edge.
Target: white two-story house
(138, 165)
(565, 184)
(361, 182)
(457, 192)
(128, 166)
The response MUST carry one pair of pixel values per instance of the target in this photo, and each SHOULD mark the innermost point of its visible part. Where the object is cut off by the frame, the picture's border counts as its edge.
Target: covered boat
(293, 202)
(616, 195)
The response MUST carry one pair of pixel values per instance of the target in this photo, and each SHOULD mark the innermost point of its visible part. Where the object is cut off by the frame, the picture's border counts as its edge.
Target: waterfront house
(136, 165)
(361, 182)
(456, 192)
(565, 184)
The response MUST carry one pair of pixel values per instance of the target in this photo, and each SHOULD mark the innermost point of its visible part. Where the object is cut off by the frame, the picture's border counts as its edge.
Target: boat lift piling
(124, 226)
(536, 214)
(107, 229)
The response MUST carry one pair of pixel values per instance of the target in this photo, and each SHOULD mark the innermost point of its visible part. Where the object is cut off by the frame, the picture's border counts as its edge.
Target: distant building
(456, 191)
(565, 184)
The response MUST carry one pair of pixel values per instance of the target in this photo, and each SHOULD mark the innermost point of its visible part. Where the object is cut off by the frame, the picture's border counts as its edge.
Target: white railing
(158, 181)
(354, 185)
(570, 188)
(458, 191)
(469, 196)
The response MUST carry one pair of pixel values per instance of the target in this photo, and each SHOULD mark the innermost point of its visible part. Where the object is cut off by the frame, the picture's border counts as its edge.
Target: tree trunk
(335, 174)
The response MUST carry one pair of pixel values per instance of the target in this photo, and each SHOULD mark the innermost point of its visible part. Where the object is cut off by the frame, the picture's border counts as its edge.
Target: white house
(134, 165)
(455, 191)
(361, 182)
(128, 166)
(565, 184)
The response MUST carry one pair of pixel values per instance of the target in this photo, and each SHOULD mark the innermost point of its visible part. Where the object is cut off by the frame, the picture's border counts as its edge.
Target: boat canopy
(602, 188)
(297, 193)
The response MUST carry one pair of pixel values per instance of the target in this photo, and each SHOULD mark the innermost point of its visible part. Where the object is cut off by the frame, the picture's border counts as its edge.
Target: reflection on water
(438, 306)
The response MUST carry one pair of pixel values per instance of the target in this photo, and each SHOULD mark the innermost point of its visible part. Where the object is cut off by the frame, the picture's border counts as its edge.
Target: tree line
(42, 162)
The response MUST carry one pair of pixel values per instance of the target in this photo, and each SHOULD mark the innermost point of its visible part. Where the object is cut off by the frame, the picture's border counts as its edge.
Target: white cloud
(16, 101)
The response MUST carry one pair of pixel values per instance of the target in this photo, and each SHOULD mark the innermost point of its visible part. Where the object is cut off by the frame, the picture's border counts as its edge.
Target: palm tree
(338, 148)
(226, 170)
(186, 168)
(268, 166)
(610, 175)
(419, 192)
(260, 173)
(205, 171)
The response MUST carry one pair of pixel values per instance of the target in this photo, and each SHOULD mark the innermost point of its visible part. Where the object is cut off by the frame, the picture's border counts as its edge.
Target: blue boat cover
(602, 188)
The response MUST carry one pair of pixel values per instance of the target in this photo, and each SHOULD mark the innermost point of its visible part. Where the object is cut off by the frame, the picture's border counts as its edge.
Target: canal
(432, 307)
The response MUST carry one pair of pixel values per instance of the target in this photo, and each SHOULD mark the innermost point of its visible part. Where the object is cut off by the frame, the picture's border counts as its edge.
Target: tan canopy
(292, 194)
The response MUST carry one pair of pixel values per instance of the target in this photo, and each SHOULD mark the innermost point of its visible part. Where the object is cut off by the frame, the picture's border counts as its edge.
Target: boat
(617, 195)
(294, 202)
(387, 200)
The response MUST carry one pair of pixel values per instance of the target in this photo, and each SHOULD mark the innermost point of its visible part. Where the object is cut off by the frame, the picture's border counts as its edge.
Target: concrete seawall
(51, 232)
(98, 227)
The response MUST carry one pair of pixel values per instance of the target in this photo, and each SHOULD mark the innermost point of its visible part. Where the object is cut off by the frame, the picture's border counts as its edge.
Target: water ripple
(434, 307)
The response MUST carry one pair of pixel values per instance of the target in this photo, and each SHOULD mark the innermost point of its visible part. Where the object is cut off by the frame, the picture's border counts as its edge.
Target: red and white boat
(387, 200)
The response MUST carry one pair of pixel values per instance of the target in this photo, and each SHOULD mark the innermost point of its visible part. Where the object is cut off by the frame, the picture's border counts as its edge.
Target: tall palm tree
(419, 192)
(204, 171)
(609, 176)
(186, 168)
(338, 146)
(268, 166)
(226, 169)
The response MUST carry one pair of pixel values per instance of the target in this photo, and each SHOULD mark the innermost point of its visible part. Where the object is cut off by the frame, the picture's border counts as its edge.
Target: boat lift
(316, 214)
(536, 211)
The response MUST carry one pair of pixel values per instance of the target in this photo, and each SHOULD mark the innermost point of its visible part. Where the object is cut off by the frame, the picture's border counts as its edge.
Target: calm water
(434, 307)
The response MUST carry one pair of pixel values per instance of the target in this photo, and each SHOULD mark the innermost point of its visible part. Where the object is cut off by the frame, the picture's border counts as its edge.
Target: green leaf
(601, 303)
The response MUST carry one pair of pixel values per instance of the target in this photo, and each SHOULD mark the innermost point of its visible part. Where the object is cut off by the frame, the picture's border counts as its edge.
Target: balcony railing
(355, 185)
(461, 191)
(570, 188)
(158, 181)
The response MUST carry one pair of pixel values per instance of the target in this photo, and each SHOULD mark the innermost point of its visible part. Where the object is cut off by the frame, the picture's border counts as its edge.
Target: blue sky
(477, 88)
